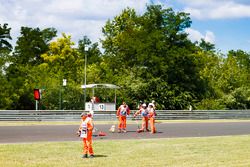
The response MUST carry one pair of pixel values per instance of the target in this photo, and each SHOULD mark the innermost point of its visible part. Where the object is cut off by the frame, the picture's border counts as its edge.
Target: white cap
(151, 104)
(144, 105)
(91, 113)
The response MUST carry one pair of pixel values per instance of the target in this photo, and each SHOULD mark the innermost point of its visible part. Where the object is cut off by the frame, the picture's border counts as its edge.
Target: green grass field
(230, 151)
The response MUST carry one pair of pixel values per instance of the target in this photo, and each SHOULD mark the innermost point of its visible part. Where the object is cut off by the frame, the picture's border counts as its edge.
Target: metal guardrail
(74, 115)
(204, 114)
(51, 115)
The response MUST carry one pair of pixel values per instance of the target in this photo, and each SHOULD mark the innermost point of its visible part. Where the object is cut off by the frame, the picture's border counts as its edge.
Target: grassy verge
(23, 123)
(184, 152)
(204, 121)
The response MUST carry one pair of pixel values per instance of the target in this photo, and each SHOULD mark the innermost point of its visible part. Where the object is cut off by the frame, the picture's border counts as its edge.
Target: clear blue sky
(226, 23)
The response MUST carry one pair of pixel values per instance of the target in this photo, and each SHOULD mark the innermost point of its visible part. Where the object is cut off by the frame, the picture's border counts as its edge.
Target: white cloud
(75, 17)
(195, 35)
(217, 9)
(209, 37)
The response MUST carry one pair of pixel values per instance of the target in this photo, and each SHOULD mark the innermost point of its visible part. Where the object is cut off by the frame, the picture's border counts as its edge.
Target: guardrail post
(36, 105)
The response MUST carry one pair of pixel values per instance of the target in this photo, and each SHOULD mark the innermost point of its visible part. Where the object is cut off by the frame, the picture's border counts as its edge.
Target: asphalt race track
(37, 133)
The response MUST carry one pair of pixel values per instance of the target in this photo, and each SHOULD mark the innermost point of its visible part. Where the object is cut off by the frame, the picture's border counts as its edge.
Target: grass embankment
(184, 152)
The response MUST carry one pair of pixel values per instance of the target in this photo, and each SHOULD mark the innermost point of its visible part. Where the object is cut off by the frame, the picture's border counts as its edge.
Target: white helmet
(151, 104)
(144, 105)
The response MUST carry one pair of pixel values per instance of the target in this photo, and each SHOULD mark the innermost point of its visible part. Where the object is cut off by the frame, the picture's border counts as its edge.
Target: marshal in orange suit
(151, 115)
(85, 132)
(143, 111)
(122, 113)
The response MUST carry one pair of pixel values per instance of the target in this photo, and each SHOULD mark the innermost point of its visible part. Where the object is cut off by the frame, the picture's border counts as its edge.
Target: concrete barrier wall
(74, 115)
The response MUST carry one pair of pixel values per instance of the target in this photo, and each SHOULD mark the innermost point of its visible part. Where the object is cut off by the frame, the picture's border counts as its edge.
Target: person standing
(143, 111)
(151, 115)
(122, 113)
(85, 132)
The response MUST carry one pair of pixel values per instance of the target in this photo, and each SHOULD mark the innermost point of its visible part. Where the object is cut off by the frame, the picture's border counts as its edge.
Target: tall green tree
(153, 49)
(227, 78)
(5, 46)
(235, 77)
(5, 38)
(92, 51)
(31, 44)
(5, 49)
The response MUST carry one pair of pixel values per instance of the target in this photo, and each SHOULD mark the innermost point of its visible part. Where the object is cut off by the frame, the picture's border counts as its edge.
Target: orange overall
(151, 115)
(86, 128)
(122, 113)
(144, 114)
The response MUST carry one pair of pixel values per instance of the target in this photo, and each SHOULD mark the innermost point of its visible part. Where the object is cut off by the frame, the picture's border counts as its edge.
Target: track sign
(101, 107)
(64, 82)
(37, 94)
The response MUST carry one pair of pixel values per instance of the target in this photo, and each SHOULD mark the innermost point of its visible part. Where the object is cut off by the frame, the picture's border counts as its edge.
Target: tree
(26, 56)
(149, 48)
(62, 61)
(227, 78)
(4, 38)
(206, 46)
(235, 76)
(5, 91)
(31, 44)
(5, 49)
(85, 46)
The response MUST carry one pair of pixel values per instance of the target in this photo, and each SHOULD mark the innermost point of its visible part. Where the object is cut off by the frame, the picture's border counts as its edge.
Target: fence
(74, 115)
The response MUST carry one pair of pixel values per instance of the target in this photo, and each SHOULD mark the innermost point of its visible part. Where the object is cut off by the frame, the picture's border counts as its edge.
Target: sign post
(61, 98)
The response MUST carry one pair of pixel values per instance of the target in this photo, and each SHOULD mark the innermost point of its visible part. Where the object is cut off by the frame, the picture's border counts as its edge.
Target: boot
(85, 156)
(139, 130)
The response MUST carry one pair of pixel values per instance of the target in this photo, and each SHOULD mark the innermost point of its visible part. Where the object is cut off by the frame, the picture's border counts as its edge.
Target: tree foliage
(154, 47)
(4, 38)
(148, 55)
(25, 58)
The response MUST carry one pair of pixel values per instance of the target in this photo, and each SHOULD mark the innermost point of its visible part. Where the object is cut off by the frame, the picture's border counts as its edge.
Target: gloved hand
(78, 133)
